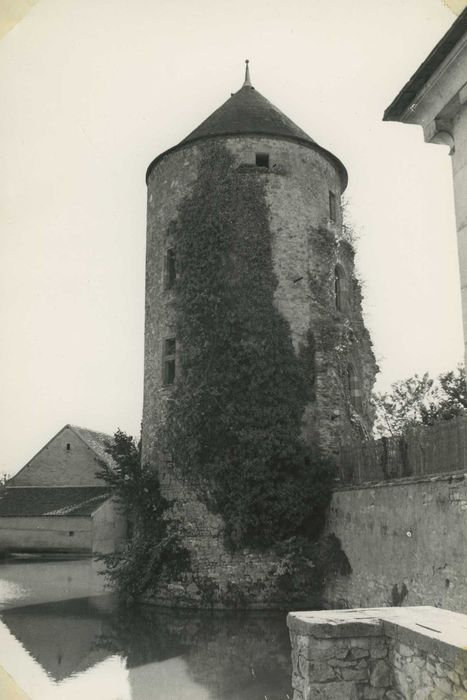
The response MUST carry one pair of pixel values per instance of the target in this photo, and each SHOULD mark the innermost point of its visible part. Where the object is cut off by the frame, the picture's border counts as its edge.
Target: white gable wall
(42, 533)
(109, 528)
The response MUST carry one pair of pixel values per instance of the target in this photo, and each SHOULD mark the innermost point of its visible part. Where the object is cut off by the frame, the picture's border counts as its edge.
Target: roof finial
(247, 82)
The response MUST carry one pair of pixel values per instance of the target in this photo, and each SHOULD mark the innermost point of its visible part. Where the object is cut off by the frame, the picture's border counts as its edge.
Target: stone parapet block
(413, 653)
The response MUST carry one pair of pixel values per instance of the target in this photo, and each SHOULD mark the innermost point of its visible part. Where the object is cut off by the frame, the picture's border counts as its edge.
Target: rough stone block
(297, 681)
(365, 642)
(422, 694)
(324, 648)
(355, 674)
(444, 685)
(453, 676)
(333, 691)
(439, 695)
(393, 695)
(373, 693)
(380, 675)
(357, 653)
(318, 672)
(404, 650)
(379, 652)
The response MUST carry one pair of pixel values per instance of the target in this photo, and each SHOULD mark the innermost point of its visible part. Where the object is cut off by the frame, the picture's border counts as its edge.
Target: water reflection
(67, 648)
(27, 581)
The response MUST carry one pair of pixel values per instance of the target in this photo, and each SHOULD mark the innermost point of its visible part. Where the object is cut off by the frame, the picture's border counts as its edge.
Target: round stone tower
(298, 185)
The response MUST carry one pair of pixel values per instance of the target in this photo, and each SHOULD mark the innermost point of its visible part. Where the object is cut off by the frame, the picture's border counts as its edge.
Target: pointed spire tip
(247, 81)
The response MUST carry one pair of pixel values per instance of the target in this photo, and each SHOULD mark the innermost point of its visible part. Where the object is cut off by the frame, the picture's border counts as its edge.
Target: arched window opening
(354, 388)
(340, 288)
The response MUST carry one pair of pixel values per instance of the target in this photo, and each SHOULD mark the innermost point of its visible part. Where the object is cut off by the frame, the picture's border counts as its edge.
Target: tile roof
(33, 501)
(96, 441)
(247, 112)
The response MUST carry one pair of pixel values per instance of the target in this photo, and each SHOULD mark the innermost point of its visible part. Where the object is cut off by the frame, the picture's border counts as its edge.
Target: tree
(153, 548)
(420, 400)
(4, 479)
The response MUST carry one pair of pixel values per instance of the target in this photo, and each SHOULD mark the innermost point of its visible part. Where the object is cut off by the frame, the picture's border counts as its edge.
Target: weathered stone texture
(330, 662)
(405, 542)
(338, 668)
(305, 254)
(305, 251)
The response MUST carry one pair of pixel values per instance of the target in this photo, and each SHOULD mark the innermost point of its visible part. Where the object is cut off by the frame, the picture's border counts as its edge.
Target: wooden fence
(433, 449)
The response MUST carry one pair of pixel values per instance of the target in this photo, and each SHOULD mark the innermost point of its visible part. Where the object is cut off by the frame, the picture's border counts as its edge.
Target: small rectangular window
(71, 533)
(262, 160)
(170, 269)
(168, 360)
(68, 446)
(332, 206)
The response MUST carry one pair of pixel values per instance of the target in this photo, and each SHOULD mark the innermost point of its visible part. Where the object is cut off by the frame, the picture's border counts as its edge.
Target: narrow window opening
(71, 533)
(68, 446)
(169, 360)
(332, 206)
(340, 288)
(262, 160)
(170, 269)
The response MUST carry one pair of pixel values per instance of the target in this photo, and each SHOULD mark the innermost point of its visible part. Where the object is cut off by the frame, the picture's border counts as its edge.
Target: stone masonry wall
(405, 543)
(217, 578)
(344, 668)
(297, 184)
(305, 253)
(420, 674)
(379, 654)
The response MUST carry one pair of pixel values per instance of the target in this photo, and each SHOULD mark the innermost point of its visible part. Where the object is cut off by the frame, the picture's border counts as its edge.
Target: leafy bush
(153, 549)
(305, 566)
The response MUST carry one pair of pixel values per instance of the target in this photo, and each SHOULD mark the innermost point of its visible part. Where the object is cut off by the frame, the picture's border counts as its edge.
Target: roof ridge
(73, 426)
(99, 449)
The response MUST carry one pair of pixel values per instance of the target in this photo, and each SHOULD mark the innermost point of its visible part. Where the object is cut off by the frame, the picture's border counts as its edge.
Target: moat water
(64, 637)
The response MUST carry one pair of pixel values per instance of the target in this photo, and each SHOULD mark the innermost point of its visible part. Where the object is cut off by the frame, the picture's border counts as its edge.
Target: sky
(93, 90)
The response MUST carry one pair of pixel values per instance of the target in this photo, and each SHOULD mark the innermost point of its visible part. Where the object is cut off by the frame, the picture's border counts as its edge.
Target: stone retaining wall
(405, 543)
(417, 653)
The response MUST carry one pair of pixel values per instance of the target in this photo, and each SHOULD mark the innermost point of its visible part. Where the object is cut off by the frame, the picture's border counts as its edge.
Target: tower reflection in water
(92, 646)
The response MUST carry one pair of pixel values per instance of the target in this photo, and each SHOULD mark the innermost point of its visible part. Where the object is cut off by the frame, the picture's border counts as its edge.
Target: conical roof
(247, 112)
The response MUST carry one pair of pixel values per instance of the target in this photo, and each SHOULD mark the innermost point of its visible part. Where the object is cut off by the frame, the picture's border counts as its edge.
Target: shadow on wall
(397, 597)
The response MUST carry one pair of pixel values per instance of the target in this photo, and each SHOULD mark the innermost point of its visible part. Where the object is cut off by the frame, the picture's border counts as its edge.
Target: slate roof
(34, 501)
(247, 112)
(434, 60)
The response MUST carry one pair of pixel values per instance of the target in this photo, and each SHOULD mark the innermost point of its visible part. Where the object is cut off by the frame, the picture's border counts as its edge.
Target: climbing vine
(234, 424)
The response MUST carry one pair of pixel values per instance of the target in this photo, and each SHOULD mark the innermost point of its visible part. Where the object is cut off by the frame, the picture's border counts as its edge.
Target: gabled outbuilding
(57, 503)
